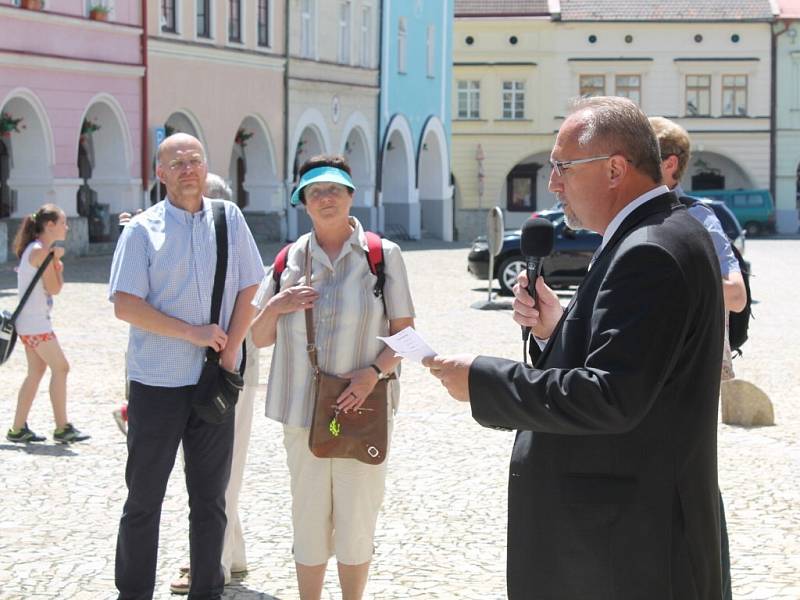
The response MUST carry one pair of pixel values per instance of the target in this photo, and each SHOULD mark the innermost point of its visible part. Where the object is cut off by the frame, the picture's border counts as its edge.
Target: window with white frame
(169, 16)
(263, 23)
(402, 35)
(513, 99)
(430, 47)
(698, 95)
(366, 36)
(469, 99)
(307, 29)
(234, 20)
(592, 85)
(734, 95)
(629, 86)
(203, 18)
(344, 32)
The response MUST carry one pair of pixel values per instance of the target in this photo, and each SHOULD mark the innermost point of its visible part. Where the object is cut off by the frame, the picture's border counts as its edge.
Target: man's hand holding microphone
(536, 308)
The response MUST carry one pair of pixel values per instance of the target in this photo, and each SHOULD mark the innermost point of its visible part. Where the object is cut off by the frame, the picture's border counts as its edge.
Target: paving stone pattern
(442, 531)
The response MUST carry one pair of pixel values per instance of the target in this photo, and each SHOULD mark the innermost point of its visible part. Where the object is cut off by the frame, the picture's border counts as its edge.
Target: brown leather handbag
(362, 433)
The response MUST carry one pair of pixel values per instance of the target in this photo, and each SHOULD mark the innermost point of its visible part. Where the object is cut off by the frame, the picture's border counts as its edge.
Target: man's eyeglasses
(561, 166)
(179, 165)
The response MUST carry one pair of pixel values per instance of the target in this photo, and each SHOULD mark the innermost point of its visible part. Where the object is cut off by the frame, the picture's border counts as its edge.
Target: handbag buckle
(373, 451)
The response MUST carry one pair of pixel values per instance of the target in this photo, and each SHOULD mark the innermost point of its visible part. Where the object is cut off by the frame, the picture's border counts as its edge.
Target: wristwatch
(381, 374)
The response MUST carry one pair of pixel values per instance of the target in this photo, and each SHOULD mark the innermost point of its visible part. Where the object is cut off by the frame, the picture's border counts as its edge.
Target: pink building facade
(71, 96)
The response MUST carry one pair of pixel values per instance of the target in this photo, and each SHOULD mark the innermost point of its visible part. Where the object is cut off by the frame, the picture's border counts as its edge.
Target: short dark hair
(613, 124)
(323, 160)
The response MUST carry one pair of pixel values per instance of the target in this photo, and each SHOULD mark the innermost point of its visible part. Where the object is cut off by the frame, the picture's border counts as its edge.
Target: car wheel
(507, 273)
(753, 229)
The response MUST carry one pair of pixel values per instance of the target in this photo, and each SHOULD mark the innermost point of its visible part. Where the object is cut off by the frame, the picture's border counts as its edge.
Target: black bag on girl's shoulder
(217, 390)
(8, 328)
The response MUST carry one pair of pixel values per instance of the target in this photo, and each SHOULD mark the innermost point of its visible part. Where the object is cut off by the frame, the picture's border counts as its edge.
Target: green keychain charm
(335, 427)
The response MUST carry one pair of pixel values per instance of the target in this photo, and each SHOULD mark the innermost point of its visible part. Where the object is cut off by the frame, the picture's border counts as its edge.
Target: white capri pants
(335, 503)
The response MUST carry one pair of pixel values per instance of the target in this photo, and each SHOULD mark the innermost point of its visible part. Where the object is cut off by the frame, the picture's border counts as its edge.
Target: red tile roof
(676, 10)
(495, 8)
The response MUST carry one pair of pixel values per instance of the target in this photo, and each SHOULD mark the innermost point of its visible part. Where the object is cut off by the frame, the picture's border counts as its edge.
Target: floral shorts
(31, 341)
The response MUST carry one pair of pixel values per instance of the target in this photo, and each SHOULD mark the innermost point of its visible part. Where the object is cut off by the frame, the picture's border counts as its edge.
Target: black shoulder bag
(8, 328)
(217, 390)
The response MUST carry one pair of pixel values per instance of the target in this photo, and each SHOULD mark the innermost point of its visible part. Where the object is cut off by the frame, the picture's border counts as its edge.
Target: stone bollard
(745, 404)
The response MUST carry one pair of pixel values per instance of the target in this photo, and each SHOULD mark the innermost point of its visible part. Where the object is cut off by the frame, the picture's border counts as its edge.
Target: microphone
(535, 243)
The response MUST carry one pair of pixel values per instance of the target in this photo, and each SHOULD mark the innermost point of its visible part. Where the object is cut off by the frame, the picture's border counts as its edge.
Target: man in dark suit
(613, 481)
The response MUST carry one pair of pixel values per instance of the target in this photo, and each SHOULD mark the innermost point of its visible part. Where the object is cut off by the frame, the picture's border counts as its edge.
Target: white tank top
(35, 316)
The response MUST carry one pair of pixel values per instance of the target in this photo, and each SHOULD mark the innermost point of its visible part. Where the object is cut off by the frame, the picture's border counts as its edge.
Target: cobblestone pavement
(442, 531)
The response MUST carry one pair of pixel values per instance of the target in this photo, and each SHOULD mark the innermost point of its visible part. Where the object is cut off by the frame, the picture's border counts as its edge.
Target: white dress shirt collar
(628, 209)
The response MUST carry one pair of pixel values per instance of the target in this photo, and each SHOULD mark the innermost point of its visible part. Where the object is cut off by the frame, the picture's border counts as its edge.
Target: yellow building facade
(503, 119)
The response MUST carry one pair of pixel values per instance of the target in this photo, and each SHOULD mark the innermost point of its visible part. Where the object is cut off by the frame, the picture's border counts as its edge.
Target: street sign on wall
(160, 135)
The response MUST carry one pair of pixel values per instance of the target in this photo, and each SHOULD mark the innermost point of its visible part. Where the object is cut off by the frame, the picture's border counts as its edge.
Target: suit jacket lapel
(663, 203)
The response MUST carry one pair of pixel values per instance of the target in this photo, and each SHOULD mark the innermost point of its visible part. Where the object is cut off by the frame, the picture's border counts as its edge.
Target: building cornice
(611, 59)
(495, 64)
(200, 51)
(717, 59)
(54, 18)
(29, 60)
(764, 21)
(332, 73)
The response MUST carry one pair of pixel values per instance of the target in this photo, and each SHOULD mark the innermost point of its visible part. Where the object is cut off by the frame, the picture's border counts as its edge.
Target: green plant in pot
(99, 12)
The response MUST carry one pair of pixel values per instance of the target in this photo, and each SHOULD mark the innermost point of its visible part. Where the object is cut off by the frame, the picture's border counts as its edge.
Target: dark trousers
(158, 420)
(727, 593)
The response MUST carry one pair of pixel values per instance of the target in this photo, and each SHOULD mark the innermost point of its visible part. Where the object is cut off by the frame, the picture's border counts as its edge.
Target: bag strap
(34, 281)
(221, 231)
(311, 346)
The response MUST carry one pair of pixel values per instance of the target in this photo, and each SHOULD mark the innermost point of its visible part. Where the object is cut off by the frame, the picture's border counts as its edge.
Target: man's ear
(618, 167)
(671, 164)
(160, 172)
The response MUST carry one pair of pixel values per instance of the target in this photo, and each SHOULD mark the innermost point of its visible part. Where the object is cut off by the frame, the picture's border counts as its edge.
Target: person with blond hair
(676, 149)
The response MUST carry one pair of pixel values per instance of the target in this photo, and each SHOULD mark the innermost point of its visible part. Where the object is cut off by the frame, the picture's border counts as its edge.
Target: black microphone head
(538, 237)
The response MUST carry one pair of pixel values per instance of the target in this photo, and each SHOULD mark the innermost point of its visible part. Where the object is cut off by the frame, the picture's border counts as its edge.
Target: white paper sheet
(408, 344)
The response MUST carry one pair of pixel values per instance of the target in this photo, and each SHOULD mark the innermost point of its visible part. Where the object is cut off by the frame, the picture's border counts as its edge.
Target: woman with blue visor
(335, 501)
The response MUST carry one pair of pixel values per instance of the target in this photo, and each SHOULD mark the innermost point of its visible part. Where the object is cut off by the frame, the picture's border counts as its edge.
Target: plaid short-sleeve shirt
(347, 320)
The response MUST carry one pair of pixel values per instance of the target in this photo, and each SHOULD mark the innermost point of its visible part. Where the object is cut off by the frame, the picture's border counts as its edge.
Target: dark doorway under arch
(6, 207)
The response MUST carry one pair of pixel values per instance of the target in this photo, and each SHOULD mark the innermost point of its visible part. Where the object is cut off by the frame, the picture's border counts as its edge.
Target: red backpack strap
(375, 256)
(279, 265)
(375, 259)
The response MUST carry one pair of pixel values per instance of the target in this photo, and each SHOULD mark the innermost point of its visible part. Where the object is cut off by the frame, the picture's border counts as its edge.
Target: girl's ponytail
(32, 225)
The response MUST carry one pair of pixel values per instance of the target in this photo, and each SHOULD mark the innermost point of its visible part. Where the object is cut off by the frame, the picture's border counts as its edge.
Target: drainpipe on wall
(145, 103)
(286, 159)
(378, 146)
(773, 118)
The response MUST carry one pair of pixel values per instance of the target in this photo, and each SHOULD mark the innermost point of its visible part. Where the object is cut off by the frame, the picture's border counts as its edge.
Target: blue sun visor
(321, 174)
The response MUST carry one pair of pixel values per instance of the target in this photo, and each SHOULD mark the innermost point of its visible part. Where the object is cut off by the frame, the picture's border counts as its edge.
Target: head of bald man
(182, 169)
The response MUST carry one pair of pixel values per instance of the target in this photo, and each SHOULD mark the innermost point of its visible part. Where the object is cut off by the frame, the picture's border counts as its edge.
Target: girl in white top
(34, 241)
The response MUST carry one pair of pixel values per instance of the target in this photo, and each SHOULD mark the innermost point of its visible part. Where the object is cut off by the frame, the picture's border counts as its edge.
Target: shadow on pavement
(40, 449)
(239, 591)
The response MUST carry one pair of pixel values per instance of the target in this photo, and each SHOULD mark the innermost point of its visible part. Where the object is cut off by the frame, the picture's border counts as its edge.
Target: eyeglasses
(561, 166)
(179, 165)
(316, 191)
